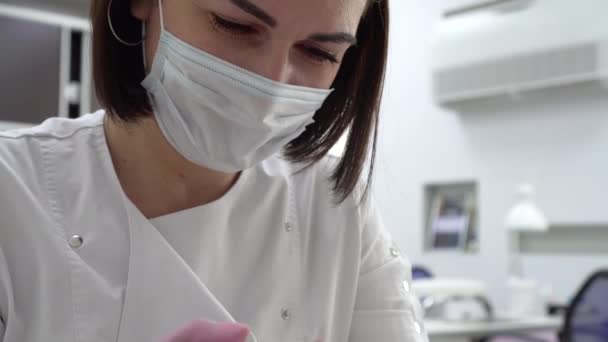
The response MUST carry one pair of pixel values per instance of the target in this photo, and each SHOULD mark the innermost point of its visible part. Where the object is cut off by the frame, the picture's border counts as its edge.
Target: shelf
(567, 239)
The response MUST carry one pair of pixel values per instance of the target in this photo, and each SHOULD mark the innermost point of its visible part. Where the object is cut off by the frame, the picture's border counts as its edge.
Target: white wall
(558, 141)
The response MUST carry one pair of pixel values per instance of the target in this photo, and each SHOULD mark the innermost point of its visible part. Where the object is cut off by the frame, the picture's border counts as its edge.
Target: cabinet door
(29, 70)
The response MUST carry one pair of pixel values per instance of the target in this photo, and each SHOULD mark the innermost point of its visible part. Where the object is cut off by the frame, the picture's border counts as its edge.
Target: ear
(141, 9)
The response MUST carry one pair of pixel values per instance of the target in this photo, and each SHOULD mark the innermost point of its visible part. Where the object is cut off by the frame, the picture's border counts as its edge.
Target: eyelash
(239, 31)
(231, 27)
(320, 55)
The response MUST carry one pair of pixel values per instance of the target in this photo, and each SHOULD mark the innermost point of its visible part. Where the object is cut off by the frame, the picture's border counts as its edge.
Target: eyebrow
(254, 10)
(340, 37)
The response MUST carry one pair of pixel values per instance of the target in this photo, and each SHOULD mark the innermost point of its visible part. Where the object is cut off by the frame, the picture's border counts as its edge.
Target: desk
(451, 331)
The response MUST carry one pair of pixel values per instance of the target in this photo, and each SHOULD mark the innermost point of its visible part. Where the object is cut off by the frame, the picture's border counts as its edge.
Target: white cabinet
(45, 66)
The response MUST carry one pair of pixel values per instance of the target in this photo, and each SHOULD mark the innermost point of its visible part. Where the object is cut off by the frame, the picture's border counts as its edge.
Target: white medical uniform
(79, 262)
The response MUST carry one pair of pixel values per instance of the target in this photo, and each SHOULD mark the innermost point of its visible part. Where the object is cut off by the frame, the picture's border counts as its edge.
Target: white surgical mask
(219, 115)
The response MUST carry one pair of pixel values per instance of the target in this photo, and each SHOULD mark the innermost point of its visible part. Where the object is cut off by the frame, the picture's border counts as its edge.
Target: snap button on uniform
(76, 241)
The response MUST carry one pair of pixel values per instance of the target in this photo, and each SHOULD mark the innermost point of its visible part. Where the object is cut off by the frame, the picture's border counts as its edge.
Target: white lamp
(526, 216)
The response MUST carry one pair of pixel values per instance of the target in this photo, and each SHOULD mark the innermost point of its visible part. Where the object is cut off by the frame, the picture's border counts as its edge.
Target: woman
(202, 192)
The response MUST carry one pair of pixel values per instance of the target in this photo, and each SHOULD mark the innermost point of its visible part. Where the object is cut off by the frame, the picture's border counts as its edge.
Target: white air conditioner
(505, 47)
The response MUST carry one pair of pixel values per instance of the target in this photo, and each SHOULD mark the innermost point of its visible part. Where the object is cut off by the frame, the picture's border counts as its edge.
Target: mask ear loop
(122, 41)
(143, 45)
(162, 15)
(143, 31)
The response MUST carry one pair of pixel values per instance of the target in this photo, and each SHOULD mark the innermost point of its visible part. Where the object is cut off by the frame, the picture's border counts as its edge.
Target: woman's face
(300, 42)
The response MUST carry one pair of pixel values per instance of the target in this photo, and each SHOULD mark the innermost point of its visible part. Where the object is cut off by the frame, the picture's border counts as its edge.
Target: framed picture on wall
(451, 217)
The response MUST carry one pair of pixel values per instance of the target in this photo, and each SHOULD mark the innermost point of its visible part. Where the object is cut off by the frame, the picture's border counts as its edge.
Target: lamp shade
(525, 215)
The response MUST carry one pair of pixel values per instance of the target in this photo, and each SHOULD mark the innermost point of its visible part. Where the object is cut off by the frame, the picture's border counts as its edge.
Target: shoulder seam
(25, 135)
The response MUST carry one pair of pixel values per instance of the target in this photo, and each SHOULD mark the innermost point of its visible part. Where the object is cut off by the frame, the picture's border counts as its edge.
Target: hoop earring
(114, 31)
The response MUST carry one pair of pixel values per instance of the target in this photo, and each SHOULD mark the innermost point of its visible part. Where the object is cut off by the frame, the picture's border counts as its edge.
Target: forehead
(341, 15)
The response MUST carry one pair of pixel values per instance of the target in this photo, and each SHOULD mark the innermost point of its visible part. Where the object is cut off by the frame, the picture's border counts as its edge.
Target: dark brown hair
(118, 71)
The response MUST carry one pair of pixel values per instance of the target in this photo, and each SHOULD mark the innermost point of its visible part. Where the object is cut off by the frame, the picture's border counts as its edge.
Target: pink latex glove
(207, 331)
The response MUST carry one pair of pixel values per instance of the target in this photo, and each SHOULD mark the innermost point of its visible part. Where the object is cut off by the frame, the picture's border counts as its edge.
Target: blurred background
(492, 157)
